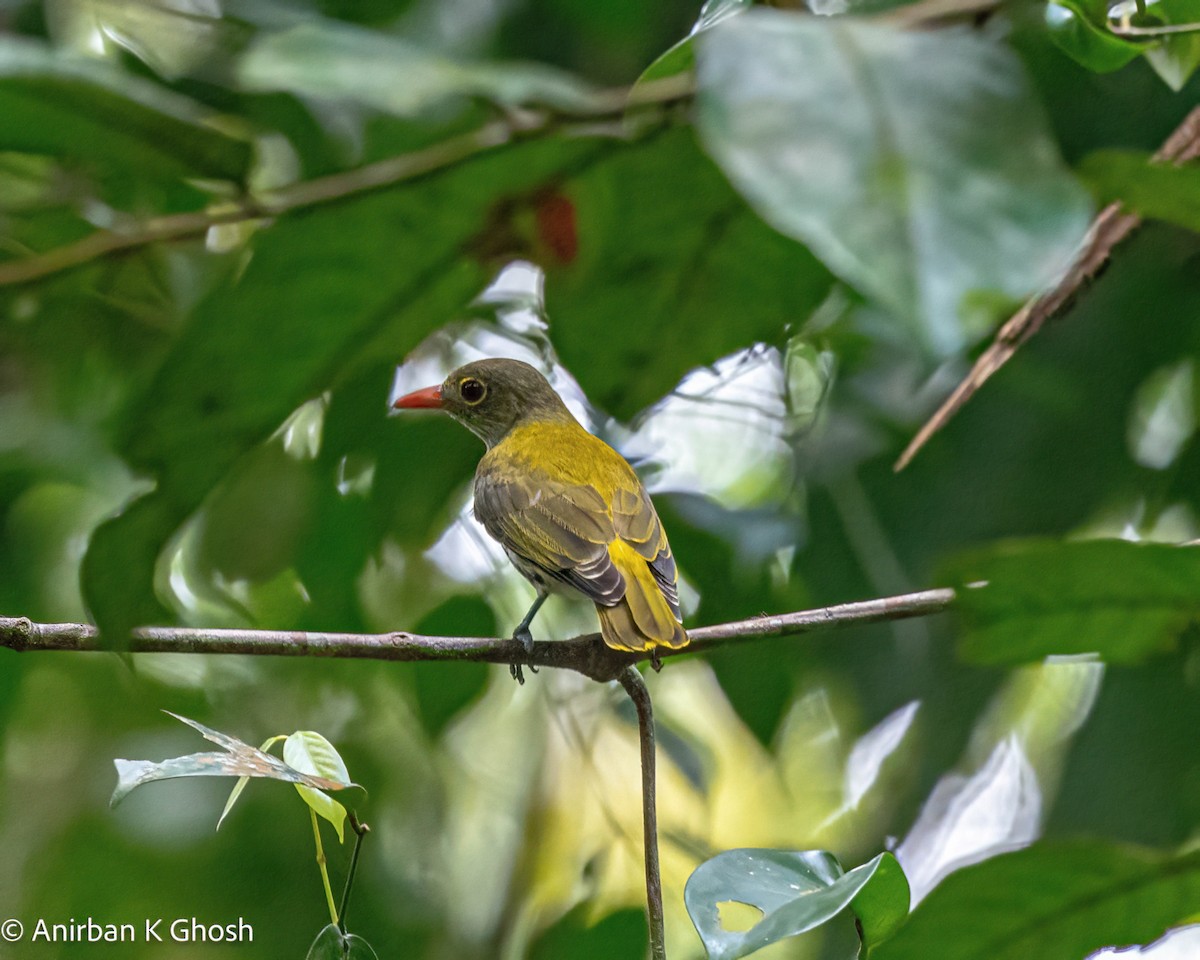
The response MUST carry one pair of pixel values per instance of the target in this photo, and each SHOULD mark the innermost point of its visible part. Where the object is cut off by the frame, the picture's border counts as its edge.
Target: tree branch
(587, 654)
(635, 686)
(1111, 226)
(516, 125)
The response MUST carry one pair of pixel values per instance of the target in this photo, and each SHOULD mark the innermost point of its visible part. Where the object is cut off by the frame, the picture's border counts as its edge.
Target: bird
(569, 511)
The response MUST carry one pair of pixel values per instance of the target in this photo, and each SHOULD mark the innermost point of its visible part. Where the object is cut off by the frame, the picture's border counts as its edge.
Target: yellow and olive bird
(568, 509)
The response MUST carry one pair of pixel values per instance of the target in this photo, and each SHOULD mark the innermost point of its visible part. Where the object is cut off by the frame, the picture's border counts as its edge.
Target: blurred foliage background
(755, 274)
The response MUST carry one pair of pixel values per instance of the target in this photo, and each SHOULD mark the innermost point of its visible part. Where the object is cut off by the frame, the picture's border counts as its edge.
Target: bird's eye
(472, 390)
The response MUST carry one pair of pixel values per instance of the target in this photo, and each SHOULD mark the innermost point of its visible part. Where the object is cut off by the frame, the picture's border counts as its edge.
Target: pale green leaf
(915, 164)
(309, 752)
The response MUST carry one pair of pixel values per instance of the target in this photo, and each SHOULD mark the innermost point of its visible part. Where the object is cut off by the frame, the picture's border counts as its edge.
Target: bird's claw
(525, 638)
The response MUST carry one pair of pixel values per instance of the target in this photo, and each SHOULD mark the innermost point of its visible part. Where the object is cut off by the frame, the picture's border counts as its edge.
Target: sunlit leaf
(172, 37)
(335, 61)
(916, 164)
(1163, 417)
(309, 752)
(795, 891)
(1124, 601)
(1050, 900)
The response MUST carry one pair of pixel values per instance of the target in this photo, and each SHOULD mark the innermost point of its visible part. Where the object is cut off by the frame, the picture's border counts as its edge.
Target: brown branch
(1111, 226)
(635, 686)
(587, 654)
(516, 125)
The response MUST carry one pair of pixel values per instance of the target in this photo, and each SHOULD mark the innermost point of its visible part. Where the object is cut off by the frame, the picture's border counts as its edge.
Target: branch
(514, 127)
(635, 686)
(587, 654)
(1111, 226)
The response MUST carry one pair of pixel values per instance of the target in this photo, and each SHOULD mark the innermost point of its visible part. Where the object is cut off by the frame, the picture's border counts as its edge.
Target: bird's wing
(636, 522)
(564, 530)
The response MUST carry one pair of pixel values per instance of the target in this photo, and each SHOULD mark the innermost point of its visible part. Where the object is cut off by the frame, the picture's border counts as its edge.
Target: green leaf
(110, 122)
(795, 891)
(239, 760)
(309, 752)
(1175, 57)
(882, 904)
(916, 164)
(1050, 900)
(170, 37)
(681, 58)
(332, 944)
(1124, 601)
(1159, 191)
(333, 61)
(1089, 44)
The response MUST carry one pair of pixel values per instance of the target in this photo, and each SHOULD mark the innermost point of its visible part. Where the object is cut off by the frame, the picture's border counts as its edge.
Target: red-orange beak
(428, 399)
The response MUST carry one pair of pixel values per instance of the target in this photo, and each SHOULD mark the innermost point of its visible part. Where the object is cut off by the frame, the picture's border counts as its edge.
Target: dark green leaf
(795, 891)
(118, 126)
(882, 905)
(1051, 900)
(666, 251)
(1124, 601)
(887, 151)
(1160, 191)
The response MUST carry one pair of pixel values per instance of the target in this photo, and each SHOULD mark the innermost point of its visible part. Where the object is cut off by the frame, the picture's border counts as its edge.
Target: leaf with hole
(795, 891)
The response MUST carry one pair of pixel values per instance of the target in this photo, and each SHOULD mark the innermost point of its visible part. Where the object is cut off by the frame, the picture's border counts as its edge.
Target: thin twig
(360, 831)
(517, 125)
(635, 686)
(587, 654)
(1111, 226)
(1164, 30)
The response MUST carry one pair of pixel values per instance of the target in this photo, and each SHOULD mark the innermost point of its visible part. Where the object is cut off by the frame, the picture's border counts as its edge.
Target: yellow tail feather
(642, 619)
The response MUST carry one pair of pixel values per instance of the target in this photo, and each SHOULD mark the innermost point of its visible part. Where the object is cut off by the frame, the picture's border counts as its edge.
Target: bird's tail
(642, 619)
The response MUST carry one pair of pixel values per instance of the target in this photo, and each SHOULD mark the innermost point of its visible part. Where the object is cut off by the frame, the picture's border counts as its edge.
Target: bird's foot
(525, 638)
(655, 659)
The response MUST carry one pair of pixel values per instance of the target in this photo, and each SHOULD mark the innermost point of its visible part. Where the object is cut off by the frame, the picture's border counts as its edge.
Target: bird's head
(490, 398)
